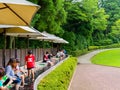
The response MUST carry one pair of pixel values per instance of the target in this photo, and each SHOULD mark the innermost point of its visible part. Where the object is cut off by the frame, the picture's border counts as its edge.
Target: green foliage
(35, 19)
(34, 1)
(116, 26)
(111, 46)
(21, 43)
(116, 45)
(115, 33)
(78, 52)
(100, 20)
(59, 78)
(87, 21)
(81, 42)
(112, 8)
(52, 16)
(103, 42)
(70, 37)
(1, 41)
(94, 47)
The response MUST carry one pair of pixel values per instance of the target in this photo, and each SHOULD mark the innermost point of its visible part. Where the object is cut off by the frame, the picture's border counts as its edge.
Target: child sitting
(2, 73)
(19, 72)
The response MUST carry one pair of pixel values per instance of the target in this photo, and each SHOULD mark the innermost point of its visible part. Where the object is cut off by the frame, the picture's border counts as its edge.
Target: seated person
(47, 58)
(2, 73)
(60, 55)
(50, 56)
(4, 80)
(65, 52)
(19, 72)
(10, 73)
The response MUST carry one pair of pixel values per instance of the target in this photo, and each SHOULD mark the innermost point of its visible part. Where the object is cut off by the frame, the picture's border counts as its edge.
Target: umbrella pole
(43, 46)
(52, 47)
(58, 47)
(28, 41)
(4, 49)
(15, 47)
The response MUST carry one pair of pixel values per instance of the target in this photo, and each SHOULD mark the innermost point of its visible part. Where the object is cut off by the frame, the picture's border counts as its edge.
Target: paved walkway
(94, 77)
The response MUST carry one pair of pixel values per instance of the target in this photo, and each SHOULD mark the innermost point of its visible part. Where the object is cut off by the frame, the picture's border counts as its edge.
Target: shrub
(103, 42)
(93, 47)
(104, 47)
(59, 78)
(112, 46)
(78, 52)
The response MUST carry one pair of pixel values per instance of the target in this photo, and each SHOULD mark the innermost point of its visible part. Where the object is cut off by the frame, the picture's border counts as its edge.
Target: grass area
(108, 58)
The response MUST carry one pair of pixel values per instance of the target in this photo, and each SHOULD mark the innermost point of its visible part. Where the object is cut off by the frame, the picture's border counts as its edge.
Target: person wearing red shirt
(30, 63)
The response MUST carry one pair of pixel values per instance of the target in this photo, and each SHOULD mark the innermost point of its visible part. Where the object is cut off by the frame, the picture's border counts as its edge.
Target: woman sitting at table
(10, 73)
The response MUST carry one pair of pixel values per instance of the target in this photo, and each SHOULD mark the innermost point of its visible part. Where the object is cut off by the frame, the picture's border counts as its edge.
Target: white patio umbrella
(13, 29)
(51, 38)
(28, 31)
(54, 39)
(17, 12)
(27, 34)
(60, 40)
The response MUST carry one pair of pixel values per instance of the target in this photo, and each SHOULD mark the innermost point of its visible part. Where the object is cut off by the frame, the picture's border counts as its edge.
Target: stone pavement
(94, 77)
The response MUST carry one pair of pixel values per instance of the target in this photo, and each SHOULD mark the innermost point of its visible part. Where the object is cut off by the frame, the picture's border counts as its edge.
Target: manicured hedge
(78, 52)
(104, 47)
(94, 47)
(59, 78)
(112, 46)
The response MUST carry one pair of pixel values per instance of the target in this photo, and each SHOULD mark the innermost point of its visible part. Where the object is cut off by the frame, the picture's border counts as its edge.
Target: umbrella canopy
(15, 29)
(51, 38)
(21, 31)
(6, 29)
(17, 12)
(33, 33)
(54, 38)
(60, 40)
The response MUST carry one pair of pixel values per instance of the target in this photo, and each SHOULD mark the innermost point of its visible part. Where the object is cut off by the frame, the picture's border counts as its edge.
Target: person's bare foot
(32, 80)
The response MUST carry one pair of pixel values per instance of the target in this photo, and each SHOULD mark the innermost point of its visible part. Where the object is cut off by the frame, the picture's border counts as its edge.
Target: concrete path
(86, 58)
(94, 77)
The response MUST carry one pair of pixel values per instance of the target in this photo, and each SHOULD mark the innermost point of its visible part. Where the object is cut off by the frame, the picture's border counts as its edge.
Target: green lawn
(108, 58)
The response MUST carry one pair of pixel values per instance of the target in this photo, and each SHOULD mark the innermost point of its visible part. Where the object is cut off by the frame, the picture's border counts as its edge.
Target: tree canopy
(80, 22)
